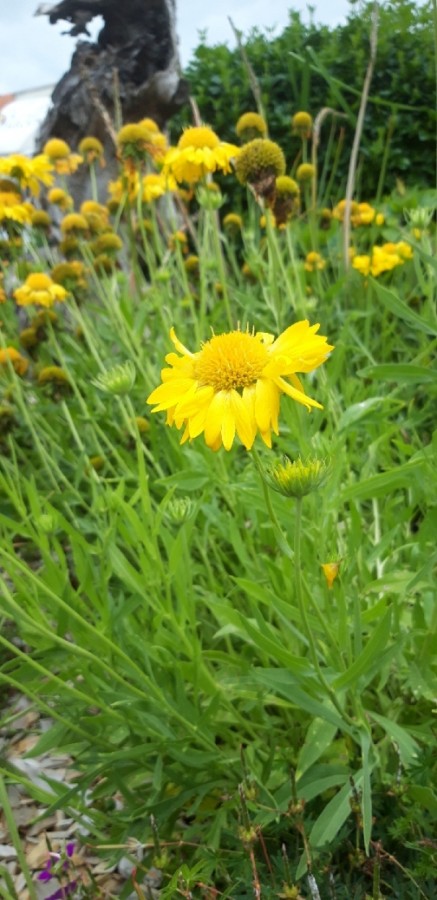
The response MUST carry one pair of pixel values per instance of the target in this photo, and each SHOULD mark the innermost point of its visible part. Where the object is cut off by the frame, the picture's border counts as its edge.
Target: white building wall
(21, 115)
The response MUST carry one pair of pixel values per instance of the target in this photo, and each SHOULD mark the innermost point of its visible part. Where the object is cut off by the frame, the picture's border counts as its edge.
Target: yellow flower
(302, 124)
(12, 208)
(96, 209)
(138, 139)
(250, 126)
(404, 250)
(53, 375)
(234, 383)
(199, 151)
(40, 219)
(59, 154)
(150, 124)
(28, 172)
(330, 571)
(305, 172)
(384, 259)
(74, 223)
(363, 215)
(92, 149)
(109, 242)
(55, 148)
(314, 261)
(70, 275)
(179, 238)
(286, 200)
(39, 290)
(124, 188)
(155, 185)
(232, 223)
(10, 354)
(361, 264)
(60, 198)
(339, 210)
(260, 163)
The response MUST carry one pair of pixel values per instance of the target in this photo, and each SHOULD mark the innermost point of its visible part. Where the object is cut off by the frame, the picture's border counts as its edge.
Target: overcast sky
(34, 53)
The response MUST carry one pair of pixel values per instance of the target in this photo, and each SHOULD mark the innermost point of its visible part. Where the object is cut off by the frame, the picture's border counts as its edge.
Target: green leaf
(282, 682)
(366, 795)
(54, 737)
(424, 796)
(358, 411)
(407, 746)
(385, 482)
(371, 654)
(397, 306)
(401, 373)
(319, 736)
(328, 824)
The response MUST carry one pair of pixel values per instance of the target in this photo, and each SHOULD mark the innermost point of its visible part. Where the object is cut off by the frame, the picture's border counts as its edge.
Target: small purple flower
(47, 874)
(63, 892)
(51, 868)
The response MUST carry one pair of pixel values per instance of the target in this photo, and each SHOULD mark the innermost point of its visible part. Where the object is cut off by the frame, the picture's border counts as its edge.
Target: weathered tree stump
(132, 69)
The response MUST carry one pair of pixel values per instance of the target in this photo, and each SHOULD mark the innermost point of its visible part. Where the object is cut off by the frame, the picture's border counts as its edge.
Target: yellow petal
(179, 346)
(213, 421)
(297, 395)
(266, 404)
(170, 392)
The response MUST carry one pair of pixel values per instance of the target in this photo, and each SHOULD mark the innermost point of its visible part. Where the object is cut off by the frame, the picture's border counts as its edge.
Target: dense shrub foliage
(310, 66)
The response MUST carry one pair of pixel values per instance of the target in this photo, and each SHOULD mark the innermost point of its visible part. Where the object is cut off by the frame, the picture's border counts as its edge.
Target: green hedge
(310, 66)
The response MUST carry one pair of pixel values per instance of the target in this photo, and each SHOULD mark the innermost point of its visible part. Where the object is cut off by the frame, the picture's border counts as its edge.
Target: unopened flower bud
(118, 380)
(330, 571)
(298, 478)
(179, 509)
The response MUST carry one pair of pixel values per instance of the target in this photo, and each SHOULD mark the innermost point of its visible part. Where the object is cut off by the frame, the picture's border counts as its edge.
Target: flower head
(92, 149)
(330, 571)
(198, 152)
(260, 162)
(314, 262)
(286, 199)
(302, 124)
(58, 197)
(296, 478)
(12, 208)
(250, 126)
(74, 223)
(39, 290)
(233, 384)
(137, 140)
(59, 154)
(41, 220)
(118, 380)
(29, 173)
(53, 375)
(11, 355)
(305, 172)
(232, 223)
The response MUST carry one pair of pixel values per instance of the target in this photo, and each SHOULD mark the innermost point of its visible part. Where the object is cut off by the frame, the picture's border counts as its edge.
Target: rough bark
(133, 69)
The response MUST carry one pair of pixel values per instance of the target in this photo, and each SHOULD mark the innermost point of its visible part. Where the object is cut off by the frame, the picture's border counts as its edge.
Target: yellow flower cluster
(63, 160)
(12, 208)
(198, 153)
(382, 258)
(361, 214)
(39, 290)
(28, 173)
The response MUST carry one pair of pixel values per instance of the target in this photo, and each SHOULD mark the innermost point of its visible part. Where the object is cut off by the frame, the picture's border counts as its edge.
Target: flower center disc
(231, 361)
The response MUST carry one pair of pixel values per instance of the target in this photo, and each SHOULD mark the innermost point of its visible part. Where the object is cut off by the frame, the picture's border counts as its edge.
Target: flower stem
(303, 614)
